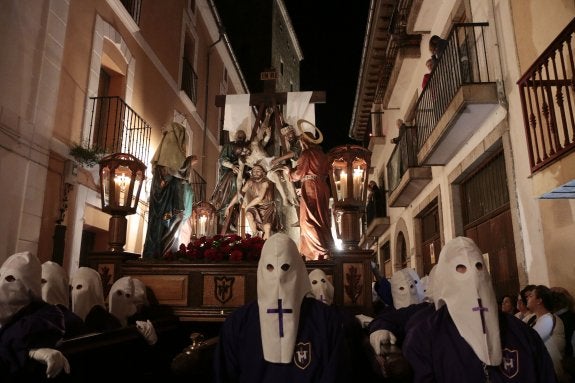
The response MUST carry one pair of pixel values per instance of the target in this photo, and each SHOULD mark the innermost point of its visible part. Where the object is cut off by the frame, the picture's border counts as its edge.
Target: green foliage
(87, 155)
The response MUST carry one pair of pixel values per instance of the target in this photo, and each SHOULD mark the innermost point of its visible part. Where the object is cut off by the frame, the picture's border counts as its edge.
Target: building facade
(101, 73)
(483, 149)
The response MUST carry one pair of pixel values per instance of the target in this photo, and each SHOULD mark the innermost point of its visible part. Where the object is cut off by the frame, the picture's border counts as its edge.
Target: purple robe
(322, 357)
(37, 325)
(438, 353)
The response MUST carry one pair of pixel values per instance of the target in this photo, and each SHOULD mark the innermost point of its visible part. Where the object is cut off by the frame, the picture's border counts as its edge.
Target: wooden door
(495, 238)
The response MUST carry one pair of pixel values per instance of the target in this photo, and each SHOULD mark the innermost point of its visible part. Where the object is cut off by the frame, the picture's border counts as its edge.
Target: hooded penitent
(20, 276)
(403, 289)
(87, 291)
(461, 282)
(121, 299)
(427, 285)
(417, 281)
(140, 294)
(321, 287)
(55, 284)
(282, 284)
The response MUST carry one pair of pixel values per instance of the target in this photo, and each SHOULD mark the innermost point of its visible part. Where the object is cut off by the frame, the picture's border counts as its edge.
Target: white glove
(364, 320)
(53, 359)
(379, 337)
(146, 328)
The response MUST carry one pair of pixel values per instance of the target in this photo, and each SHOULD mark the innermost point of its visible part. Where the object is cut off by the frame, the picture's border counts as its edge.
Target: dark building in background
(262, 37)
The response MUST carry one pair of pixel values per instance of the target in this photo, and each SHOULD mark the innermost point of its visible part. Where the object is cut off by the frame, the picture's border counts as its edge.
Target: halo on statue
(317, 140)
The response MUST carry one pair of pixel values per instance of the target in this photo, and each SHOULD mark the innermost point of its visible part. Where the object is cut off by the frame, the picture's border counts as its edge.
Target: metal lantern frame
(203, 220)
(349, 168)
(121, 178)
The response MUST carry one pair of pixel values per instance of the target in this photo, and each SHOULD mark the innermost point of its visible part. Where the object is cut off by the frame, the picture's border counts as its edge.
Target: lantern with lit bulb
(348, 176)
(121, 179)
(204, 222)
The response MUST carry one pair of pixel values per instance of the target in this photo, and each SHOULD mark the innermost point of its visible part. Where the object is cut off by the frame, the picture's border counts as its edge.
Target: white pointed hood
(20, 276)
(87, 291)
(403, 289)
(321, 287)
(121, 299)
(55, 284)
(282, 283)
(462, 282)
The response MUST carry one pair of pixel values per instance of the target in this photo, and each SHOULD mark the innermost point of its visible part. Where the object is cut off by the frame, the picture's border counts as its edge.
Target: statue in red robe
(314, 220)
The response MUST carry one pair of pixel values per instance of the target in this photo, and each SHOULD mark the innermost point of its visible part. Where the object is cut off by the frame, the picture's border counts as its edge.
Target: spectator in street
(523, 312)
(549, 327)
(508, 305)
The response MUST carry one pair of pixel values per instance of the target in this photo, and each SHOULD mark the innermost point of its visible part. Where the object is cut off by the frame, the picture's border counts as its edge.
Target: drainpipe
(224, 37)
(205, 136)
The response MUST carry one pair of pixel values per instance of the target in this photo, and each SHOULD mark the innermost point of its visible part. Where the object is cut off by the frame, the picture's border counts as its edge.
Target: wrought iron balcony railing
(133, 7)
(117, 128)
(198, 187)
(189, 81)
(465, 60)
(403, 157)
(548, 102)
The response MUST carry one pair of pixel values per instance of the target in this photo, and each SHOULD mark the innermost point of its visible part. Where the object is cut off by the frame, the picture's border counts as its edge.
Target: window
(385, 253)
(189, 76)
(401, 251)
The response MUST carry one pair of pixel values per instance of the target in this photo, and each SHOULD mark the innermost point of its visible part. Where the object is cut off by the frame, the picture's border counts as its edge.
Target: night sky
(331, 35)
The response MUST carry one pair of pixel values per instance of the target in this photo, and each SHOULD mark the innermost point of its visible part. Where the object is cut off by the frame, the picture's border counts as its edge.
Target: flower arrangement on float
(219, 248)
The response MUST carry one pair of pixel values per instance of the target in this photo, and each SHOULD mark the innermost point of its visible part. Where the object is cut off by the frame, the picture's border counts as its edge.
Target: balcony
(405, 177)
(133, 7)
(117, 128)
(189, 81)
(387, 47)
(376, 228)
(548, 106)
(460, 94)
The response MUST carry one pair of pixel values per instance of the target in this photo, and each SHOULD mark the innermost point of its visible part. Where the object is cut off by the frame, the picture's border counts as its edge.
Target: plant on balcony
(87, 155)
(219, 248)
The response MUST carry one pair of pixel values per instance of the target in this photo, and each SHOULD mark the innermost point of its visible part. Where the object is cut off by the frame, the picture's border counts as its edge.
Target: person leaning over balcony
(375, 202)
(170, 196)
(437, 46)
(430, 64)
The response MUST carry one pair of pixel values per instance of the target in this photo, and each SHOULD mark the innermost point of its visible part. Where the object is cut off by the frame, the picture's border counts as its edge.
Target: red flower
(219, 248)
(236, 255)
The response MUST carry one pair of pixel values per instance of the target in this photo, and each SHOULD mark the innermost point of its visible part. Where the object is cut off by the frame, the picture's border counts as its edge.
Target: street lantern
(204, 222)
(121, 179)
(348, 177)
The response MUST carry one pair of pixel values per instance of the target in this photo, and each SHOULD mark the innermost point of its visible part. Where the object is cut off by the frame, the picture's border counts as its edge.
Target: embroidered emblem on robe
(302, 355)
(510, 363)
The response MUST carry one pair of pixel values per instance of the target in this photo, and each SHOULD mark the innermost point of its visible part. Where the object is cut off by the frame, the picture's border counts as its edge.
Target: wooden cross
(280, 311)
(270, 98)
